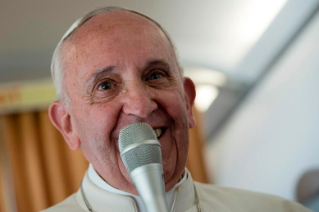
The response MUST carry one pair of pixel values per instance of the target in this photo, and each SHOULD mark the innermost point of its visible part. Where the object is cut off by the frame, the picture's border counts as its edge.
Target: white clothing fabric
(211, 199)
(97, 180)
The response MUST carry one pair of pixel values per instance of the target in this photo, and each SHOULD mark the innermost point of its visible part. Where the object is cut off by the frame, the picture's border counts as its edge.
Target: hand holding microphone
(142, 157)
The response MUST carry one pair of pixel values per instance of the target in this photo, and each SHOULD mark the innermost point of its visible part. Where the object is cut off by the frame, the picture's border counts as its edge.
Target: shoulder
(70, 204)
(232, 199)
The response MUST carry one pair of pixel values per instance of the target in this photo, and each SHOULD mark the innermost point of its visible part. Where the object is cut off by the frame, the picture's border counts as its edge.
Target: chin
(171, 179)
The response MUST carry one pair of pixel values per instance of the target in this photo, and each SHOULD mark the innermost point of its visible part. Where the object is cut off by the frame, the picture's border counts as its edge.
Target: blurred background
(256, 68)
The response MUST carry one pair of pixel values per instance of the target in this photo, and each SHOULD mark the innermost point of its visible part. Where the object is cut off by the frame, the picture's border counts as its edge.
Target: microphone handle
(149, 182)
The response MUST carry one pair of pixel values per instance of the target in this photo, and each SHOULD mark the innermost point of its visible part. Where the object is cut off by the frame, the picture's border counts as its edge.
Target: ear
(190, 94)
(61, 119)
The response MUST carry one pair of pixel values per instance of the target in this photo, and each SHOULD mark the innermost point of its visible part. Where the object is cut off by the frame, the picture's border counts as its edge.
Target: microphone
(141, 154)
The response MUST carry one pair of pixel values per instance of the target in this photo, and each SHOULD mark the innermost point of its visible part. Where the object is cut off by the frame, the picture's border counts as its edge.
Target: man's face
(119, 70)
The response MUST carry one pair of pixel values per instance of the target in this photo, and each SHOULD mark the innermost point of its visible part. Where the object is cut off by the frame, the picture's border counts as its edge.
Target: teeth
(158, 132)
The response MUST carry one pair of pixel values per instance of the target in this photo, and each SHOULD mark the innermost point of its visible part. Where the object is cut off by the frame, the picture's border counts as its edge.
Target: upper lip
(154, 127)
(157, 127)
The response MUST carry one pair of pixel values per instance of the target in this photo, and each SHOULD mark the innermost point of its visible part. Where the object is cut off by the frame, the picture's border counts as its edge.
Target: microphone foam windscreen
(142, 154)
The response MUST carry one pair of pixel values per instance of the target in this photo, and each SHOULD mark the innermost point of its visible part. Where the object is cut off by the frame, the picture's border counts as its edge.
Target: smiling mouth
(159, 132)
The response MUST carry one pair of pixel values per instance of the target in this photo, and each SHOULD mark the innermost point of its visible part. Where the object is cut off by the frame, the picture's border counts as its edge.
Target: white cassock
(186, 196)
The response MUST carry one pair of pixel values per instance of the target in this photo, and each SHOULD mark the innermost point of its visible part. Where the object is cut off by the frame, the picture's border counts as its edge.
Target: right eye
(104, 91)
(106, 85)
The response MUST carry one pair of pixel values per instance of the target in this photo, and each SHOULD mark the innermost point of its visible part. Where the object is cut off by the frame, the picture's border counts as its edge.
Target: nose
(139, 100)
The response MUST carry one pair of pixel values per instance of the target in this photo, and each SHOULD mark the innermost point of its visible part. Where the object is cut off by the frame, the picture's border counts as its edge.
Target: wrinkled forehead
(110, 39)
(116, 25)
(111, 29)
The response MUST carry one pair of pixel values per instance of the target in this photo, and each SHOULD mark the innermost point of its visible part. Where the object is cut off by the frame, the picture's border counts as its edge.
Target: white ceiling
(209, 33)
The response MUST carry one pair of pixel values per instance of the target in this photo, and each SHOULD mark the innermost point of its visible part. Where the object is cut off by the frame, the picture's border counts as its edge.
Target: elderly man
(115, 67)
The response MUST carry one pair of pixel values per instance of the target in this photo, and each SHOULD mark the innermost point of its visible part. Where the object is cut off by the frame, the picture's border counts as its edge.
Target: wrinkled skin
(121, 69)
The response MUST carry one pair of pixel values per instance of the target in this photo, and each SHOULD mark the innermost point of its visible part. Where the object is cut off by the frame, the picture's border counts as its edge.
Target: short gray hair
(57, 71)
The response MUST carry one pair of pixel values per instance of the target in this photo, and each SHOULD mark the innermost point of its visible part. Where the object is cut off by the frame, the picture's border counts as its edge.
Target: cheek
(96, 122)
(176, 107)
(95, 134)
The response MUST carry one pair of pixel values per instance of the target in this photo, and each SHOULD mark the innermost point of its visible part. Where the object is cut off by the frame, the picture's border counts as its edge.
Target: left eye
(155, 76)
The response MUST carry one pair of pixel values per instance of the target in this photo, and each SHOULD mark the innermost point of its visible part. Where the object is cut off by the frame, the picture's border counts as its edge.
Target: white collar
(98, 181)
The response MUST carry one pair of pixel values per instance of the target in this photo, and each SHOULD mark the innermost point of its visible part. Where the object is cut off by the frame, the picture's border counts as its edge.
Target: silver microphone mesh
(142, 154)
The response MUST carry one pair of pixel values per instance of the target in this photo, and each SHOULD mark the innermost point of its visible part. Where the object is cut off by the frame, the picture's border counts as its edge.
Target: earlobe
(190, 94)
(61, 119)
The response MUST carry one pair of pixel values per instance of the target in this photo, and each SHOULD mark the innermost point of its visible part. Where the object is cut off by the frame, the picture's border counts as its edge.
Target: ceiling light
(205, 96)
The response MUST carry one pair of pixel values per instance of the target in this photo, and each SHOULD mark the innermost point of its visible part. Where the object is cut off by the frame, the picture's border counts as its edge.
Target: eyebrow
(99, 73)
(161, 63)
